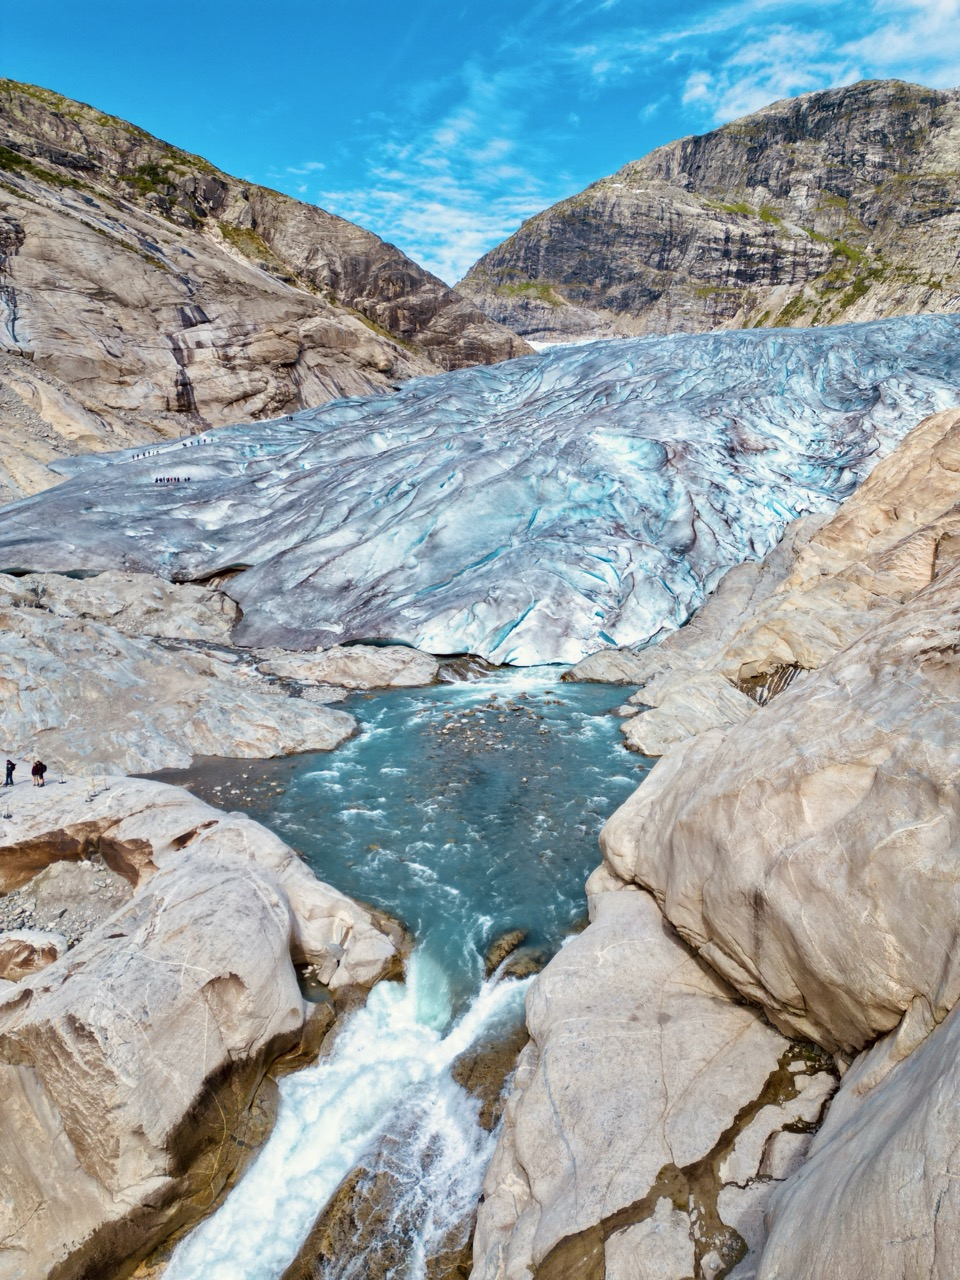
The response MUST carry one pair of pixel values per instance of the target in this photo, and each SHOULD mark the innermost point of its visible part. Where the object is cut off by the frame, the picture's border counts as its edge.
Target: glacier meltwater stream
(467, 811)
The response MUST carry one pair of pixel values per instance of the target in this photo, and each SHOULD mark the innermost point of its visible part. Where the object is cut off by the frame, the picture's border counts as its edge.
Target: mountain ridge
(808, 211)
(145, 293)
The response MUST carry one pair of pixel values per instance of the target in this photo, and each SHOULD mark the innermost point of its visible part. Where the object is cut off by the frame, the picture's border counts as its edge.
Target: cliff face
(143, 293)
(829, 207)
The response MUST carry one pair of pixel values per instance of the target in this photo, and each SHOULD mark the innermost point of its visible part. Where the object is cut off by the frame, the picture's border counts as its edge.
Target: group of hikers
(171, 480)
(38, 770)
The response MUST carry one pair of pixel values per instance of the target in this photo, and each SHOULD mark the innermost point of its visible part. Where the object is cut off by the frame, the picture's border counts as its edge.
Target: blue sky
(441, 126)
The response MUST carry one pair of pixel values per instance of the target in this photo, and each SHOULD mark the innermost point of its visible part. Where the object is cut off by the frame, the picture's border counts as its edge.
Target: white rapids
(389, 1072)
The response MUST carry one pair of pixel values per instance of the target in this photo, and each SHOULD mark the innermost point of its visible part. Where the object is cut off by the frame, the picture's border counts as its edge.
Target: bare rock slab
(879, 1193)
(641, 1072)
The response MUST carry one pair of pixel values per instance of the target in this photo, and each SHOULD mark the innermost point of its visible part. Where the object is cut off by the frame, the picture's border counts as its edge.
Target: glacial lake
(466, 811)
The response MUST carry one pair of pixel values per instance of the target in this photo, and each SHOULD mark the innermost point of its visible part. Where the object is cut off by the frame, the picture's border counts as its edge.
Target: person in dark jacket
(38, 770)
(8, 780)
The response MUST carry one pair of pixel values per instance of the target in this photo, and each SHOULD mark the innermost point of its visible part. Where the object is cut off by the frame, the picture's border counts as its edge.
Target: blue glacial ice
(532, 512)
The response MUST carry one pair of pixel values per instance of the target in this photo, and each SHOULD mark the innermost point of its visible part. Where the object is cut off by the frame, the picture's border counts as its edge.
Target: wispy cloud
(463, 159)
(449, 189)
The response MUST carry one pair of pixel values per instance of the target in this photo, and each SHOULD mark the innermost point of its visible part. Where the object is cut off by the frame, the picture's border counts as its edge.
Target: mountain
(145, 294)
(531, 512)
(830, 207)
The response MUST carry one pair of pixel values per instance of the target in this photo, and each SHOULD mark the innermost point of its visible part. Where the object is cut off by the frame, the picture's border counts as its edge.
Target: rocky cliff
(804, 852)
(132, 1068)
(833, 206)
(143, 294)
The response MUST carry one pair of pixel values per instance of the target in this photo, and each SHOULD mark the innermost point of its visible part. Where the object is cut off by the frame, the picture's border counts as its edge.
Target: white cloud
(463, 159)
(445, 190)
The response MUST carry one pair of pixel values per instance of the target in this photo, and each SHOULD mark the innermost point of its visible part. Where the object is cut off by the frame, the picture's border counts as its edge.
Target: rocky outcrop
(529, 512)
(359, 666)
(145, 295)
(125, 671)
(825, 584)
(877, 1195)
(806, 853)
(127, 1066)
(651, 1115)
(834, 206)
(24, 952)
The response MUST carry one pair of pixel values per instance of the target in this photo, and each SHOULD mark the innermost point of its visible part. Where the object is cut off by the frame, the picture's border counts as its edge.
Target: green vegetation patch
(14, 162)
(792, 311)
(535, 289)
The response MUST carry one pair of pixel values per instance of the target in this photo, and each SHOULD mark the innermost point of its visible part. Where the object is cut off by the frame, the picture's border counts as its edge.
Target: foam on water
(465, 820)
(389, 1071)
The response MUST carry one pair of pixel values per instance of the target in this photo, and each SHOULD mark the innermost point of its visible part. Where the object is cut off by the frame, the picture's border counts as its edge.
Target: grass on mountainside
(535, 289)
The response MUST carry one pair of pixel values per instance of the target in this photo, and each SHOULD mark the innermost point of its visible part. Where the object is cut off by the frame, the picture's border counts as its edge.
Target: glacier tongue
(532, 511)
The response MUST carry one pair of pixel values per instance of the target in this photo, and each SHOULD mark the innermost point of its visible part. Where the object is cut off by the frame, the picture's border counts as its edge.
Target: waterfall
(389, 1072)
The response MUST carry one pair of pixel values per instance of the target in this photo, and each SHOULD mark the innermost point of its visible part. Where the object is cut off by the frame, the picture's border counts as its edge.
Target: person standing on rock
(38, 770)
(8, 780)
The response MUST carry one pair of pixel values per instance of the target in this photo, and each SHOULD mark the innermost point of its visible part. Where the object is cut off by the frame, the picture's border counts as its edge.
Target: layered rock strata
(128, 672)
(834, 206)
(146, 294)
(530, 512)
(127, 1066)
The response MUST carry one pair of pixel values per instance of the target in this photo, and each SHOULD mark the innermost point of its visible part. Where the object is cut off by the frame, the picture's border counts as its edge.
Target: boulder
(683, 706)
(357, 666)
(807, 852)
(24, 952)
(644, 1075)
(127, 1066)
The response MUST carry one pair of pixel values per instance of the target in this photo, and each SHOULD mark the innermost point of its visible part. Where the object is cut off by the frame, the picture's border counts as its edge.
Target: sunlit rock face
(533, 511)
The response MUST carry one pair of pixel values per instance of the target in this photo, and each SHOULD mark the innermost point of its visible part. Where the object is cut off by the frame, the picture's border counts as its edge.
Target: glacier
(531, 512)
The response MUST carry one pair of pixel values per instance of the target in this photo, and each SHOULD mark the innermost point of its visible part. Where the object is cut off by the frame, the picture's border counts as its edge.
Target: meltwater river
(465, 810)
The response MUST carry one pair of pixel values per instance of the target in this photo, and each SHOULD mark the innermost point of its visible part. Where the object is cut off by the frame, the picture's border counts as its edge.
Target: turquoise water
(465, 810)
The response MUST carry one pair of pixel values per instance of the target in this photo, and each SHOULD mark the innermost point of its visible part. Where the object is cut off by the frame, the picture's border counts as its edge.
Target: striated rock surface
(877, 1194)
(529, 512)
(125, 671)
(833, 206)
(149, 295)
(646, 1090)
(126, 1066)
